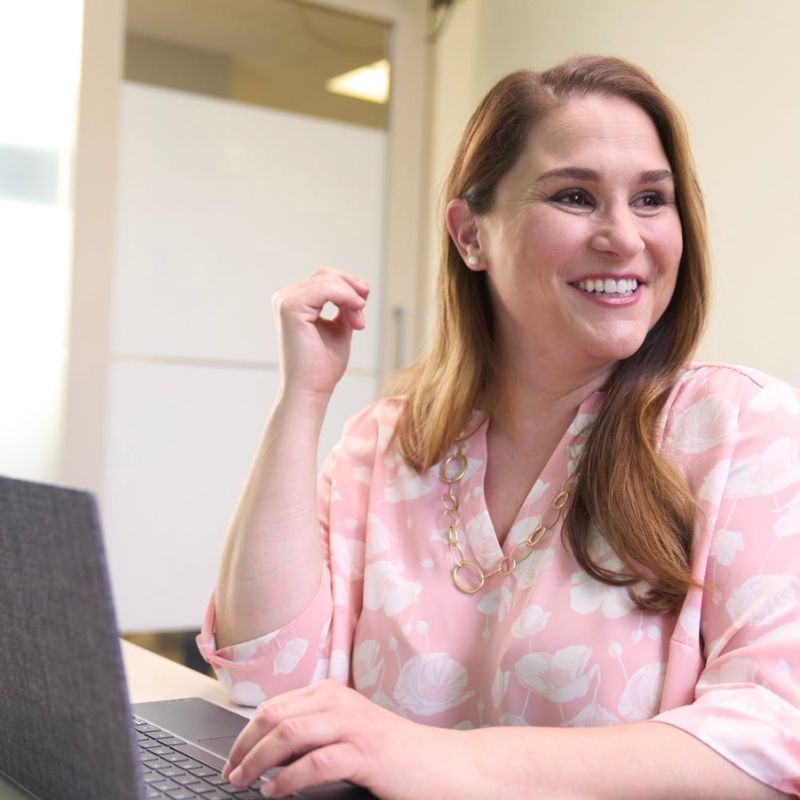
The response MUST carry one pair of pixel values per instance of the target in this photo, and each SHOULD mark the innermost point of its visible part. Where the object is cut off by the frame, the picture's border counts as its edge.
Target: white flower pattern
(561, 676)
(431, 683)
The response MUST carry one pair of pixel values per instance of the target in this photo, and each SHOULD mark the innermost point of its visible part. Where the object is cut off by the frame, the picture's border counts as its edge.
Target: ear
(462, 223)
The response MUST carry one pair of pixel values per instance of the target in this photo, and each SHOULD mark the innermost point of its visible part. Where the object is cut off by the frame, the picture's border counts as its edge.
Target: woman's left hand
(329, 733)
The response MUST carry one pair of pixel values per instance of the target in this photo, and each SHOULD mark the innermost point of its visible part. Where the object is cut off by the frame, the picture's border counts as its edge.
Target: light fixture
(370, 82)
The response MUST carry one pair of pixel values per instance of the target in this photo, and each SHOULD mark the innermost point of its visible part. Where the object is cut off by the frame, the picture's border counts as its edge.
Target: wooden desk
(153, 677)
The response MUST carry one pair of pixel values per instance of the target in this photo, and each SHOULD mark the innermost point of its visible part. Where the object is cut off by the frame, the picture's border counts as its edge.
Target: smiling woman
(558, 523)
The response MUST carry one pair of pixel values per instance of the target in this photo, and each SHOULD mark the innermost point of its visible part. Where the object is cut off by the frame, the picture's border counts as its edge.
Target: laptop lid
(65, 723)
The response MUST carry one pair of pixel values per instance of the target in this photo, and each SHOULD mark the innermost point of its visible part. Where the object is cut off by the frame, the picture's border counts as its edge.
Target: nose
(618, 234)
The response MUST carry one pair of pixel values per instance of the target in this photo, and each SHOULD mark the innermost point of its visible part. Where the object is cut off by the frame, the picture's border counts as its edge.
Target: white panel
(181, 440)
(222, 203)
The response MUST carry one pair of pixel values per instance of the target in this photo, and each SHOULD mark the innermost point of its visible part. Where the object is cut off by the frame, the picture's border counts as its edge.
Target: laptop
(67, 731)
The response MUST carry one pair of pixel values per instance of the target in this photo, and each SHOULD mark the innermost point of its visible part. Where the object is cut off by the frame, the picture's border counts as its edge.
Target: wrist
(307, 400)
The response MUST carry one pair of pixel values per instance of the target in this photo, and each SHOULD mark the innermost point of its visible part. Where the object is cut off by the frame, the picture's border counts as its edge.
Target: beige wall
(732, 67)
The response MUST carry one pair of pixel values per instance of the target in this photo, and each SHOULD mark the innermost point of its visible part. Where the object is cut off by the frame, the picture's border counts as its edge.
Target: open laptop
(67, 731)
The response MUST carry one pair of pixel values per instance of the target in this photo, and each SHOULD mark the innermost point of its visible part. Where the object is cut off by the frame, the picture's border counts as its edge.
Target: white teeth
(623, 286)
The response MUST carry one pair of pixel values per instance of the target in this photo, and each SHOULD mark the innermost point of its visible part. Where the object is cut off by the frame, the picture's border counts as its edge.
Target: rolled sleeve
(747, 699)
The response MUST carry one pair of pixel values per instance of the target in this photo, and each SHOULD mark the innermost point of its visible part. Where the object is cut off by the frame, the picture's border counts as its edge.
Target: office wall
(732, 67)
(220, 204)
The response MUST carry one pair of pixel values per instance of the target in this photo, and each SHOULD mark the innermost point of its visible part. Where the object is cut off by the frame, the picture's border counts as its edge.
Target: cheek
(552, 244)
(667, 246)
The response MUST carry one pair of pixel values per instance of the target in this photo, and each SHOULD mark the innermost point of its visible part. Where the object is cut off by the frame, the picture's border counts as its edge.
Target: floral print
(549, 645)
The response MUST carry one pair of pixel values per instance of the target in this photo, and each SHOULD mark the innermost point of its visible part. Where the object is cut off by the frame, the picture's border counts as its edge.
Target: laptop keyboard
(172, 769)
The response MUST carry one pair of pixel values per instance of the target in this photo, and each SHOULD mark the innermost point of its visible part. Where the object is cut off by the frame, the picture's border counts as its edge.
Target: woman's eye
(650, 200)
(573, 197)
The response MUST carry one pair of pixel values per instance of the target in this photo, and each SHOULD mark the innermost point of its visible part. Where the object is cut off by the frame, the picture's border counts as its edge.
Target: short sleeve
(747, 700)
(318, 642)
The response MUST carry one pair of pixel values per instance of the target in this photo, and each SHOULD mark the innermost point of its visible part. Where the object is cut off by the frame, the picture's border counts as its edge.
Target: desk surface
(153, 677)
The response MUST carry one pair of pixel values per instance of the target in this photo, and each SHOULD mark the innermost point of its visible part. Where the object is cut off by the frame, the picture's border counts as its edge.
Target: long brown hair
(626, 489)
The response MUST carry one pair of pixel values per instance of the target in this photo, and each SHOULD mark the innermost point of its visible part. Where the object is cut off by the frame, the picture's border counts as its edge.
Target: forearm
(645, 759)
(272, 559)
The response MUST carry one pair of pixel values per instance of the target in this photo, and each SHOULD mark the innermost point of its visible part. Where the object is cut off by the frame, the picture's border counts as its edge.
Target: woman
(557, 525)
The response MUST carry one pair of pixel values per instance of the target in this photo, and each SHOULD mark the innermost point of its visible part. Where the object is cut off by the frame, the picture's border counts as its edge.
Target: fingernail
(268, 789)
(236, 775)
(226, 769)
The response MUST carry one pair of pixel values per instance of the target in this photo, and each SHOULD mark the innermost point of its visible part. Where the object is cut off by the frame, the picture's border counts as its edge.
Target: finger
(335, 762)
(270, 713)
(288, 740)
(351, 319)
(312, 296)
(361, 286)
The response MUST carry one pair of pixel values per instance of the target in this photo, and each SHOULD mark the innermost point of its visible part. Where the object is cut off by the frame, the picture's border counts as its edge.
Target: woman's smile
(611, 291)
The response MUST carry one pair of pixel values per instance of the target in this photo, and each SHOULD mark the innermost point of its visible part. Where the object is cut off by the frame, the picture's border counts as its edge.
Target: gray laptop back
(54, 592)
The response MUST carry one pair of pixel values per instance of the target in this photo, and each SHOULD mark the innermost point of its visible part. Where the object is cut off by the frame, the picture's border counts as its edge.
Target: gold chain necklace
(468, 576)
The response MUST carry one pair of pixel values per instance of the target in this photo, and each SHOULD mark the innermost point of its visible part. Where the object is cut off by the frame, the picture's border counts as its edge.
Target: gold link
(451, 518)
(527, 551)
(507, 565)
(452, 536)
(560, 499)
(470, 567)
(536, 535)
(450, 501)
(460, 461)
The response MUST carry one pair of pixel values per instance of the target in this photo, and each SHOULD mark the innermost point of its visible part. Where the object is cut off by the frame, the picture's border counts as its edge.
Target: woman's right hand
(314, 350)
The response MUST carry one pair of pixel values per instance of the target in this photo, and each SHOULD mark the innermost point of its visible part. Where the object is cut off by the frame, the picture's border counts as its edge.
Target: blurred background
(166, 165)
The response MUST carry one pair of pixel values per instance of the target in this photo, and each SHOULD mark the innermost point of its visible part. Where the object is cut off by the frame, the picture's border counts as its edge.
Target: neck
(523, 399)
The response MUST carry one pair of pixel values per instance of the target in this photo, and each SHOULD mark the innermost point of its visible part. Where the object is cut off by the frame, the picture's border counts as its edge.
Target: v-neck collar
(483, 545)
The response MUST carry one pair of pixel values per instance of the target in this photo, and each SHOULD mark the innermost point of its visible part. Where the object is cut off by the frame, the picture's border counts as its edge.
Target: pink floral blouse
(548, 645)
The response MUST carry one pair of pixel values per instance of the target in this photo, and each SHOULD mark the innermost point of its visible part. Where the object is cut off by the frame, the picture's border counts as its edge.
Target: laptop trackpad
(221, 746)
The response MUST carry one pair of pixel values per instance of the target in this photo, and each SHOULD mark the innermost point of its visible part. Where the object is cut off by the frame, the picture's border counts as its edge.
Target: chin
(619, 350)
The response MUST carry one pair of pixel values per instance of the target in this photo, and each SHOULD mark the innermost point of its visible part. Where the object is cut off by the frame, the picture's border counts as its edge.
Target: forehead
(595, 129)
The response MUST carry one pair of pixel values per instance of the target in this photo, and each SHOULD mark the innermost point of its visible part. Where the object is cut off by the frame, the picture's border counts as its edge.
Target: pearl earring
(472, 260)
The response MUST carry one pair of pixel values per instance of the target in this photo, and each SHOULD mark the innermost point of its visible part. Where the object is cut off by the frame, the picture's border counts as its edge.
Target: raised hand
(315, 350)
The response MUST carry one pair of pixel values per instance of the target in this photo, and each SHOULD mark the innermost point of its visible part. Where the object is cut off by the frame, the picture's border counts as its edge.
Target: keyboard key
(186, 780)
(201, 771)
(173, 772)
(181, 794)
(150, 792)
(149, 744)
(228, 787)
(164, 785)
(159, 734)
(174, 757)
(170, 740)
(187, 763)
(248, 794)
(216, 794)
(147, 728)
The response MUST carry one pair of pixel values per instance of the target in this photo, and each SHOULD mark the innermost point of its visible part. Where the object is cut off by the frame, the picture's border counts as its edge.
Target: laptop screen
(64, 715)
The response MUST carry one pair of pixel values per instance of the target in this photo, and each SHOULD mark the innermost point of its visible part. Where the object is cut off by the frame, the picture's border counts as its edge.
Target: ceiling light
(370, 82)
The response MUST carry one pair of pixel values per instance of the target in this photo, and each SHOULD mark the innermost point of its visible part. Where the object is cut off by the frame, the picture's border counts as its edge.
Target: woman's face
(583, 243)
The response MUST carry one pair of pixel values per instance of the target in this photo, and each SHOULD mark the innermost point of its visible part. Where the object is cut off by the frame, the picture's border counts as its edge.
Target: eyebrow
(584, 174)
